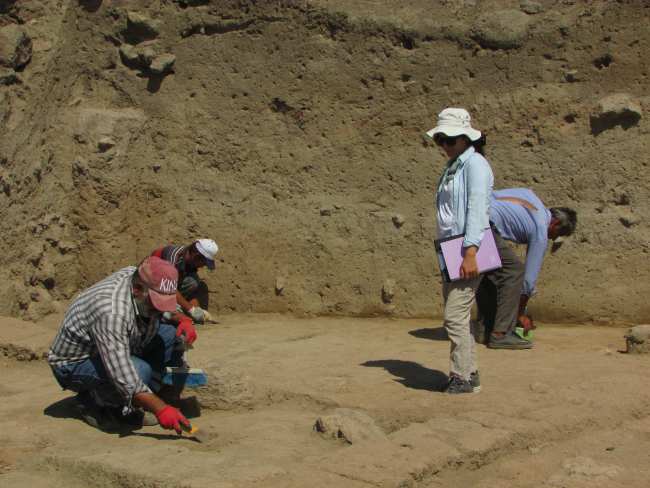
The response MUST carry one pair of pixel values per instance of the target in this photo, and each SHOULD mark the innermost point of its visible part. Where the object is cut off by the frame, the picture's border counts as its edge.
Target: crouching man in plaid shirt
(112, 350)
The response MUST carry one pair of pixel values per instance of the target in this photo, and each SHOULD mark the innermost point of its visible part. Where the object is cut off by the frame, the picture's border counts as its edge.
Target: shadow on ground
(437, 334)
(167, 435)
(67, 409)
(63, 409)
(413, 375)
(599, 126)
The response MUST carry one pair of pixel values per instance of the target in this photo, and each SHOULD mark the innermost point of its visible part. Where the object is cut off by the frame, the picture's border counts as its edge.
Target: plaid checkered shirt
(103, 320)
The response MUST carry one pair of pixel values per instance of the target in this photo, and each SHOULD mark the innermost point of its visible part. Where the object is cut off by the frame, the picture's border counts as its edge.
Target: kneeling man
(112, 351)
(187, 261)
(519, 216)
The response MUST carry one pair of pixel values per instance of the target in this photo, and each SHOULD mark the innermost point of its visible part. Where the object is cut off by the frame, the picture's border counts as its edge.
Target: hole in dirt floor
(21, 68)
(193, 3)
(408, 43)
(90, 6)
(600, 126)
(278, 105)
(136, 34)
(603, 61)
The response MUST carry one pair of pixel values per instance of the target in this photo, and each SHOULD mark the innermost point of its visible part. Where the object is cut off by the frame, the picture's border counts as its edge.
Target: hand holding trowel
(172, 419)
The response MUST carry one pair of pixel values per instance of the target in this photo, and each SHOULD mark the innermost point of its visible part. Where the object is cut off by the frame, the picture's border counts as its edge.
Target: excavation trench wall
(293, 135)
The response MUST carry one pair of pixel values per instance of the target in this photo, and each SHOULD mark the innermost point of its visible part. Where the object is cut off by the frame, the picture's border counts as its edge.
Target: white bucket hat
(455, 122)
(209, 249)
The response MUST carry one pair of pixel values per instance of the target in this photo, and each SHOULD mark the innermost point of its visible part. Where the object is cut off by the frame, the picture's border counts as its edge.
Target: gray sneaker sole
(99, 420)
(457, 392)
(147, 420)
(506, 345)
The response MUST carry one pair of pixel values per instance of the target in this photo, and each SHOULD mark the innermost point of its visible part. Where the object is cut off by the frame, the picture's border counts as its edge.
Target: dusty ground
(571, 412)
(293, 134)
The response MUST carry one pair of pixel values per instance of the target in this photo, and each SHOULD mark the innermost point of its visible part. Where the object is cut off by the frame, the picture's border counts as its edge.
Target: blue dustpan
(183, 375)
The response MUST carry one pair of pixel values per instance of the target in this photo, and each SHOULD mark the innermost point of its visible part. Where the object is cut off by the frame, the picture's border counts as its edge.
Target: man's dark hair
(192, 248)
(567, 216)
(136, 279)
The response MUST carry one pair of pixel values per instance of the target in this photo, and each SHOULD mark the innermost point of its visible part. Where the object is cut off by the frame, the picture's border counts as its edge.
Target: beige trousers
(459, 297)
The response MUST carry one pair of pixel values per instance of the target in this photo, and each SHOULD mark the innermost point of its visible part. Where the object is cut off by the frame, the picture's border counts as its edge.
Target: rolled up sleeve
(479, 192)
(111, 334)
(534, 260)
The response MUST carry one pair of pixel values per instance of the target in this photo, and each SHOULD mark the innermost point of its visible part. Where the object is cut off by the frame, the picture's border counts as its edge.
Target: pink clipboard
(451, 254)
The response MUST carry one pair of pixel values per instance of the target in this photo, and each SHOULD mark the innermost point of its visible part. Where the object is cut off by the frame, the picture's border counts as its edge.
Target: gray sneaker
(99, 418)
(458, 385)
(138, 417)
(509, 341)
(475, 381)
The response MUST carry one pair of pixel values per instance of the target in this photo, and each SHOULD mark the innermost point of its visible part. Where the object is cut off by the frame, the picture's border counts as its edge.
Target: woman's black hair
(479, 143)
(192, 248)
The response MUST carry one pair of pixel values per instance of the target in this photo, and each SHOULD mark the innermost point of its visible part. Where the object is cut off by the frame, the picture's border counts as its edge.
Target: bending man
(187, 260)
(519, 216)
(112, 351)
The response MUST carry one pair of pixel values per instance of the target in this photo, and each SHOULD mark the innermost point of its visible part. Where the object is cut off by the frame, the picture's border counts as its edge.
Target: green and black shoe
(509, 341)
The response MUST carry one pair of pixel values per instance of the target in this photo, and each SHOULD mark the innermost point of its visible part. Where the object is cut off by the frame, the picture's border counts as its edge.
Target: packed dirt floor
(571, 412)
(293, 134)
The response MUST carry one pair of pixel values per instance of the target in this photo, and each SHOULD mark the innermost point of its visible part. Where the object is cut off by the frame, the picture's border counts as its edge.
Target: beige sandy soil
(571, 412)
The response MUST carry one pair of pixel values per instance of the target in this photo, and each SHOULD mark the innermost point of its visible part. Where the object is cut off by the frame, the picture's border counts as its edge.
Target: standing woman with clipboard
(463, 200)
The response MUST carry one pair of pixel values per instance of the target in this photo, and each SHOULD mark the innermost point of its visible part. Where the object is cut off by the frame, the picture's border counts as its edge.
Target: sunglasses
(450, 141)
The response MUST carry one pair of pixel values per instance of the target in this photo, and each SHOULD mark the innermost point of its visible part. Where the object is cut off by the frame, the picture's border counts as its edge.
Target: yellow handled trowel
(199, 434)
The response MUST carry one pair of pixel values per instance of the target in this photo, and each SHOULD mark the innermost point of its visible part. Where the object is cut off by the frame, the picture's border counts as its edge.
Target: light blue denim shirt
(473, 184)
(522, 225)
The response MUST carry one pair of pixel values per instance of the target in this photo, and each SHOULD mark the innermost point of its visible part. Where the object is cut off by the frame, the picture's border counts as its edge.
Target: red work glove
(169, 418)
(185, 326)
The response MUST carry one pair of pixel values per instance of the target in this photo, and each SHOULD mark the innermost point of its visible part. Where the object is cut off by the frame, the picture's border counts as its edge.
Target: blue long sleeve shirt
(522, 225)
(473, 184)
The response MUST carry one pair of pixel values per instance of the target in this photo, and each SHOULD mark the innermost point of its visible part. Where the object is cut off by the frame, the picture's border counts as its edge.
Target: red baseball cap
(161, 278)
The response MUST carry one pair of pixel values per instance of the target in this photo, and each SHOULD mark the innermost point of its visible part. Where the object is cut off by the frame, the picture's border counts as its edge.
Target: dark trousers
(189, 285)
(497, 297)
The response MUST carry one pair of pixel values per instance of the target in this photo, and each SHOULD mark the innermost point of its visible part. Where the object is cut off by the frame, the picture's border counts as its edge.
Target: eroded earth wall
(292, 133)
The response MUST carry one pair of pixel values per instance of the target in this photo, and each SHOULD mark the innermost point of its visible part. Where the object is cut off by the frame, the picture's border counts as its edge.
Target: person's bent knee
(518, 267)
(189, 285)
(520, 273)
(143, 369)
(168, 334)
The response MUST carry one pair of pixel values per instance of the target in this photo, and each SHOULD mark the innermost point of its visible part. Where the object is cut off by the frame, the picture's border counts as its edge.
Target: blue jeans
(90, 380)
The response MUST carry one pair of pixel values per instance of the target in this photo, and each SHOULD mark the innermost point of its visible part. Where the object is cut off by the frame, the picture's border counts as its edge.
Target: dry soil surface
(571, 412)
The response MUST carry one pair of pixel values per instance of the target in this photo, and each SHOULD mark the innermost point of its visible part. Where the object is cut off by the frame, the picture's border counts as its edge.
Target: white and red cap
(209, 249)
(161, 277)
